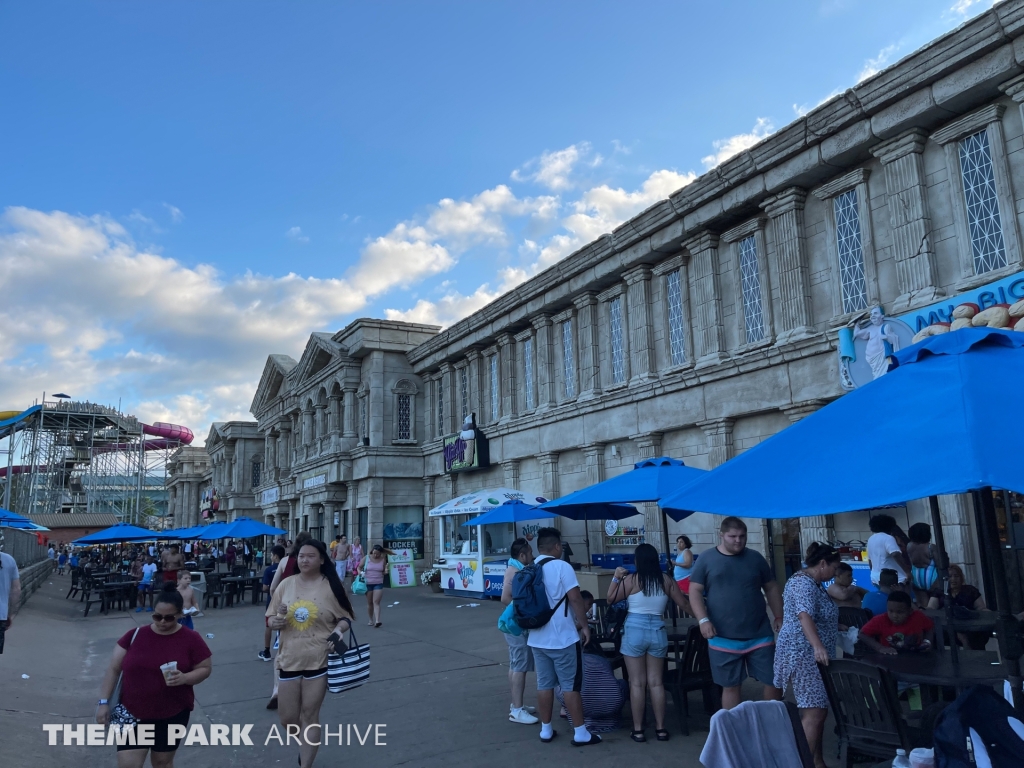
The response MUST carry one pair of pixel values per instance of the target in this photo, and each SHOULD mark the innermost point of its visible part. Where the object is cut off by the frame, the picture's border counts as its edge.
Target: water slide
(168, 436)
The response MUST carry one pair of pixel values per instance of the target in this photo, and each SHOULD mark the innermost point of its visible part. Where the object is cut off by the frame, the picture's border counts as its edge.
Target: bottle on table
(901, 761)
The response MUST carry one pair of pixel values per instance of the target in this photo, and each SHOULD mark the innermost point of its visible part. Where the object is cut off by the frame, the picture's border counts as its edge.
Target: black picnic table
(939, 669)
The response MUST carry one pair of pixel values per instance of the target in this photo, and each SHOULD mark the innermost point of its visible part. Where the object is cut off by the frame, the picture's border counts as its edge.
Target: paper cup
(170, 666)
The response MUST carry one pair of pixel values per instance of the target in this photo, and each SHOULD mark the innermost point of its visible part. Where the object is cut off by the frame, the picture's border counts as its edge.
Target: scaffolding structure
(68, 456)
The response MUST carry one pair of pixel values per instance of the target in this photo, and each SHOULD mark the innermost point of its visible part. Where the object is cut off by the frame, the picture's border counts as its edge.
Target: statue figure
(882, 341)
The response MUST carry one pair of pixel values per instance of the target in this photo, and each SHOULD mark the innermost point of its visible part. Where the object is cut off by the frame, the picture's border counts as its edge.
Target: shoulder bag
(119, 714)
(359, 582)
(350, 669)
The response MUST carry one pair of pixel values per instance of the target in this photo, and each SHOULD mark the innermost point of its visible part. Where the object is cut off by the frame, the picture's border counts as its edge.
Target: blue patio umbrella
(648, 481)
(116, 534)
(925, 428)
(211, 532)
(247, 528)
(10, 519)
(517, 511)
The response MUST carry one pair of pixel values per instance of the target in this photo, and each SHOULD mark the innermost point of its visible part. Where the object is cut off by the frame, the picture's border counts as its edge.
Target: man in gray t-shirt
(728, 588)
(10, 592)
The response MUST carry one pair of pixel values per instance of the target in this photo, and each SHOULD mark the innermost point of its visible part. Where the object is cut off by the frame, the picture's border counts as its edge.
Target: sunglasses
(161, 617)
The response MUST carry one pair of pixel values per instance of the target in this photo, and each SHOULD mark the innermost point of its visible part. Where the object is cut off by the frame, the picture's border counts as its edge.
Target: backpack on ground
(978, 720)
(531, 600)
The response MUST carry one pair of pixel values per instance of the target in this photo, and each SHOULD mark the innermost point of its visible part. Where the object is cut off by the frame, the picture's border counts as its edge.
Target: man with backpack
(543, 594)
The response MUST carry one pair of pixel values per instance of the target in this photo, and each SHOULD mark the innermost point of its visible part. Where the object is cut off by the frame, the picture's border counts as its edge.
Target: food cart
(474, 556)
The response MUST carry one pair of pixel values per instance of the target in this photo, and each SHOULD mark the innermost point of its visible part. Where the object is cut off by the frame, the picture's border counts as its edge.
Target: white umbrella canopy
(478, 502)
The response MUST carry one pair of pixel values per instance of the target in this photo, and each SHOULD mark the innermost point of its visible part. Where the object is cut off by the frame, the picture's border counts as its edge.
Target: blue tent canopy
(924, 429)
(509, 512)
(10, 519)
(211, 532)
(247, 528)
(649, 481)
(116, 534)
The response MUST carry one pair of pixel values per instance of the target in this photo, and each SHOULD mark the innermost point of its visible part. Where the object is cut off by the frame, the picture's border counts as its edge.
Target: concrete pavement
(438, 683)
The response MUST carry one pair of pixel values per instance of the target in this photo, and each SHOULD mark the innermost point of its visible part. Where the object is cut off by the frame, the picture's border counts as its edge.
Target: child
(877, 602)
(188, 597)
(62, 560)
(147, 572)
(588, 604)
(921, 553)
(845, 593)
(276, 556)
(900, 628)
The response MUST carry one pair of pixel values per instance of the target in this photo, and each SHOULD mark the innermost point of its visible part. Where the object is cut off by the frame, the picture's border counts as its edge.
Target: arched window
(403, 413)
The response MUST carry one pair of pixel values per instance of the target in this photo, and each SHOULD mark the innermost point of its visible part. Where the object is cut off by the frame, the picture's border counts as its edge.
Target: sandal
(662, 734)
(549, 740)
(594, 740)
(377, 624)
(638, 737)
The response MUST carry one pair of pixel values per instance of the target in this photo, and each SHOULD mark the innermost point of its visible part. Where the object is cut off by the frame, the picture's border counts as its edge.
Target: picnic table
(939, 669)
(239, 583)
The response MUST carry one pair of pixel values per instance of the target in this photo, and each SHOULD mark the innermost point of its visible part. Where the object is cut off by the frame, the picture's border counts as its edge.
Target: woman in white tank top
(644, 639)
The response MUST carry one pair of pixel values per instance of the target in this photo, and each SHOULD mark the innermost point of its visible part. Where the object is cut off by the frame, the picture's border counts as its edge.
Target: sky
(186, 188)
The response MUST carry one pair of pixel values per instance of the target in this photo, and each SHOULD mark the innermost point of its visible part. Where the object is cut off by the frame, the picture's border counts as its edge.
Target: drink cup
(170, 666)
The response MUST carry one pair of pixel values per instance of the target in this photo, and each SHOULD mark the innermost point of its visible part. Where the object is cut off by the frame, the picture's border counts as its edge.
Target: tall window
(851, 252)
(982, 205)
(464, 391)
(568, 366)
(440, 407)
(676, 345)
(495, 390)
(404, 429)
(750, 280)
(257, 472)
(528, 371)
(618, 356)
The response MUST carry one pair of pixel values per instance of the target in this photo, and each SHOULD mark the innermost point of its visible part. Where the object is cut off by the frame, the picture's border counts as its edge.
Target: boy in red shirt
(900, 628)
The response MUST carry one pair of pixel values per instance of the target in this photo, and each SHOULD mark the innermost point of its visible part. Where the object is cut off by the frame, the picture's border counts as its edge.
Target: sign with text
(314, 482)
(403, 575)
(270, 495)
(466, 450)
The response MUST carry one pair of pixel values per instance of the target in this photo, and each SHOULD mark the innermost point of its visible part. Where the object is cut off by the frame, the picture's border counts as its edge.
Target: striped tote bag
(350, 669)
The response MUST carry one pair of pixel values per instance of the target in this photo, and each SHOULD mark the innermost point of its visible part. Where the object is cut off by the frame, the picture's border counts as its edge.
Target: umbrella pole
(1008, 628)
(586, 535)
(943, 568)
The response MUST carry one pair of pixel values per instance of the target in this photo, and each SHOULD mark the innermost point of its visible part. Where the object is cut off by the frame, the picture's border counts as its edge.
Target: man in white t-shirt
(557, 652)
(884, 551)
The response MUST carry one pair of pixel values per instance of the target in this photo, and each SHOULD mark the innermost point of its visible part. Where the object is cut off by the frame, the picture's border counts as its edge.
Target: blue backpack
(529, 598)
(507, 620)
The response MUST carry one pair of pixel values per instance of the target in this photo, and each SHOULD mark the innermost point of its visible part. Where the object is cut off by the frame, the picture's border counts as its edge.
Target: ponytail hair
(169, 594)
(819, 552)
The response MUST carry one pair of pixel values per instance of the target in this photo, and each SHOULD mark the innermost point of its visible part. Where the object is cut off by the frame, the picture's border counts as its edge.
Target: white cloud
(733, 145)
(554, 169)
(295, 233)
(454, 306)
(965, 8)
(876, 64)
(175, 212)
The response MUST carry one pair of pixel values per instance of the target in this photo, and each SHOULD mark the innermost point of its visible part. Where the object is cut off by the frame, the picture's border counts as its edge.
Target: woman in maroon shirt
(145, 694)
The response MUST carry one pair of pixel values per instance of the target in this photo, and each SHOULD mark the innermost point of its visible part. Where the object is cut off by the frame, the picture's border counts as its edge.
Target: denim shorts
(520, 657)
(644, 635)
(373, 587)
(562, 667)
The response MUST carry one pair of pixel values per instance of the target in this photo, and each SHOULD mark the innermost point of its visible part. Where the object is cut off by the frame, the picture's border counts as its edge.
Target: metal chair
(215, 592)
(76, 582)
(690, 670)
(867, 712)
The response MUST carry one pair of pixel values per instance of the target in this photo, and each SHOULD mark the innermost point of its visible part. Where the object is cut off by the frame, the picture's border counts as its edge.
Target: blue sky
(189, 187)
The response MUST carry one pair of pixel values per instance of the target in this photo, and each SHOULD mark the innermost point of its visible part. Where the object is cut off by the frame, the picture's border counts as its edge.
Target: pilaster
(430, 551)
(648, 446)
(475, 402)
(786, 211)
(510, 469)
(704, 268)
(447, 380)
(549, 473)
(507, 377)
(545, 362)
(593, 454)
(910, 219)
(586, 331)
(641, 325)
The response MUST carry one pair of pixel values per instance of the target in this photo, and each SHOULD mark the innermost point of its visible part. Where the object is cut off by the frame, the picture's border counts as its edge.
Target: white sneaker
(531, 710)
(522, 716)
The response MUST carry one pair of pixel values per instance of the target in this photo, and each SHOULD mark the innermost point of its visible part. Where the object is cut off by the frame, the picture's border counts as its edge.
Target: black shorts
(305, 674)
(160, 740)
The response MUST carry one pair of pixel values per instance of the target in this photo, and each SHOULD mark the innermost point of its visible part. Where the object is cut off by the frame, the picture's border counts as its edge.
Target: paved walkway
(439, 683)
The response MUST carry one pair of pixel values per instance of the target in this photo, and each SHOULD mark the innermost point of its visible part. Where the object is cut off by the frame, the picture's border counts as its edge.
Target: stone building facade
(217, 482)
(698, 328)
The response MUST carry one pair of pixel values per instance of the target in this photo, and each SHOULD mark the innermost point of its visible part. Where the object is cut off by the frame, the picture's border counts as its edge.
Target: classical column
(586, 319)
(430, 551)
(549, 473)
(815, 527)
(786, 210)
(510, 469)
(648, 446)
(709, 332)
(593, 454)
(475, 400)
(507, 377)
(718, 433)
(320, 417)
(447, 391)
(335, 412)
(284, 448)
(545, 363)
(641, 325)
(910, 220)
(352, 501)
(349, 394)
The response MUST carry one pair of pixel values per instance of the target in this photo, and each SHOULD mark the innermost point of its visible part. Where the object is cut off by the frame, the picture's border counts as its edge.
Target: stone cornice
(911, 142)
(703, 241)
(637, 274)
(969, 124)
(585, 299)
(784, 202)
(844, 183)
(1014, 88)
(540, 321)
(744, 230)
